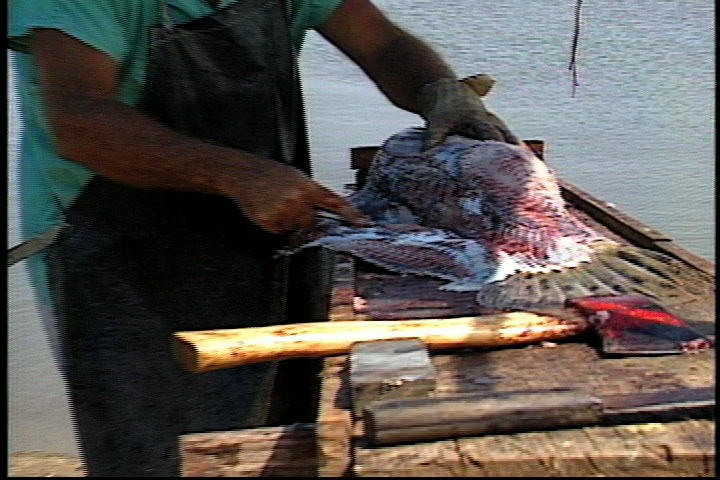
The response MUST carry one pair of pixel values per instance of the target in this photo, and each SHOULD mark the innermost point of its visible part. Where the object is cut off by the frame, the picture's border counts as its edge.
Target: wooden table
(684, 448)
(334, 445)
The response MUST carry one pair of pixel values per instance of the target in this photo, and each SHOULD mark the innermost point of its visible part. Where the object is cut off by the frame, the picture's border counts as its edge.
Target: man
(168, 137)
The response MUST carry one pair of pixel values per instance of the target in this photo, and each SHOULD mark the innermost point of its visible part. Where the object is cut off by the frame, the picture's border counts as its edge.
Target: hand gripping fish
(488, 216)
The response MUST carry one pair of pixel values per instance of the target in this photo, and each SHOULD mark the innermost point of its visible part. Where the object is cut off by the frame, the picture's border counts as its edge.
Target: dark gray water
(639, 132)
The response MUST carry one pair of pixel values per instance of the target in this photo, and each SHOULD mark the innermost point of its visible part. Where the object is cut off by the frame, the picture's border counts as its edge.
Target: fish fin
(412, 249)
(613, 269)
(657, 275)
(523, 290)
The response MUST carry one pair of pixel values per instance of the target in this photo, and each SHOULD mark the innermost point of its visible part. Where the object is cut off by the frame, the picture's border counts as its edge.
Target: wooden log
(333, 426)
(207, 350)
(285, 451)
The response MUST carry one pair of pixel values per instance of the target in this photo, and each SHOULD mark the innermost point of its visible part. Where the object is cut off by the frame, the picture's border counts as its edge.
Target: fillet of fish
(488, 216)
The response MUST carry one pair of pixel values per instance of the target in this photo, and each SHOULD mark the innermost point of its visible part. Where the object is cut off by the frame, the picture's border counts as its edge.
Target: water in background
(639, 133)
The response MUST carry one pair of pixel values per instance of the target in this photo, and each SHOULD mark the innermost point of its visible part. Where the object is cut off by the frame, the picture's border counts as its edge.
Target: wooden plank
(42, 464)
(334, 423)
(625, 225)
(360, 161)
(571, 365)
(254, 452)
(673, 249)
(361, 157)
(334, 420)
(343, 295)
(435, 459)
(538, 147)
(388, 296)
(667, 449)
(623, 450)
(575, 364)
(671, 449)
(630, 228)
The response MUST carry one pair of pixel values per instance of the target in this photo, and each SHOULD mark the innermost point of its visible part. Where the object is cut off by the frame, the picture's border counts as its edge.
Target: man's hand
(451, 106)
(79, 85)
(410, 73)
(280, 198)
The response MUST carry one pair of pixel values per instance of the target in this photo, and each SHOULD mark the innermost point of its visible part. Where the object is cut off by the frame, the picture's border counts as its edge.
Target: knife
(433, 418)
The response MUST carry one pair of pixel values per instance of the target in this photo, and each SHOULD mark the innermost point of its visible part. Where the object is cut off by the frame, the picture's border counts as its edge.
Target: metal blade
(659, 401)
(633, 324)
(659, 406)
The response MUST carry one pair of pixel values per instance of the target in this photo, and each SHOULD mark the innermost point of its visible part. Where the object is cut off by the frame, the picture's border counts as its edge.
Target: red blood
(656, 317)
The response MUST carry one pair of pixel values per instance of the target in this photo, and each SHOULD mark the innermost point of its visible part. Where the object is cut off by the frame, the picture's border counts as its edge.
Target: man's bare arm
(398, 62)
(91, 127)
(411, 74)
(118, 141)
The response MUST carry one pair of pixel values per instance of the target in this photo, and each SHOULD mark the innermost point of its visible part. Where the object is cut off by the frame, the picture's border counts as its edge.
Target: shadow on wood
(286, 451)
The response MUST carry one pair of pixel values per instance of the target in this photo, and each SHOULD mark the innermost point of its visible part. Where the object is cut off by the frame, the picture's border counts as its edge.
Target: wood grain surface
(681, 448)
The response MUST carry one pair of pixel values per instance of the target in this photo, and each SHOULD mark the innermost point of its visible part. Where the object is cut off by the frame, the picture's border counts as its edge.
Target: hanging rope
(573, 52)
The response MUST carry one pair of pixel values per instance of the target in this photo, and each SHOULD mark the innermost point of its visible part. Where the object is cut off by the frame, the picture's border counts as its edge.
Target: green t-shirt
(119, 28)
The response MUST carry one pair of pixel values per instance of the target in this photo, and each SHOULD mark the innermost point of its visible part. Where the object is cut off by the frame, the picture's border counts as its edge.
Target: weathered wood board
(287, 451)
(678, 449)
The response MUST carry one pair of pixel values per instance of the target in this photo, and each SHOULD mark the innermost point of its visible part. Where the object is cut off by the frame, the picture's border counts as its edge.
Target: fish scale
(489, 217)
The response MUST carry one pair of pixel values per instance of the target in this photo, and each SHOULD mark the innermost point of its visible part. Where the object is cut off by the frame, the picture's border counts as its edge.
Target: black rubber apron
(136, 265)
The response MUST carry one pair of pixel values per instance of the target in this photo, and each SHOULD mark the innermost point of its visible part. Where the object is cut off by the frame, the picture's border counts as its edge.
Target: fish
(489, 217)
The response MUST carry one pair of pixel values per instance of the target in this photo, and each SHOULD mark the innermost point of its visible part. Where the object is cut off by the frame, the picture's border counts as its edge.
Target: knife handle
(203, 351)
